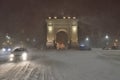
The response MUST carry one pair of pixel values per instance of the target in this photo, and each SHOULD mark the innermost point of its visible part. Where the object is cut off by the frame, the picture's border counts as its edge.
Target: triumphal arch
(62, 30)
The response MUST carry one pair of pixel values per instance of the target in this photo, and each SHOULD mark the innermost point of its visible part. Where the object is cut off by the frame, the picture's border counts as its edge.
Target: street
(65, 65)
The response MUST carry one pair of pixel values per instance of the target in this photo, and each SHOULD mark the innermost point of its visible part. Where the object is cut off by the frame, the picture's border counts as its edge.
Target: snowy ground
(65, 65)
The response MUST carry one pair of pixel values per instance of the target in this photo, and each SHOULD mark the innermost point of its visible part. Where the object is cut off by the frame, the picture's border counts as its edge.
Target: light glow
(24, 56)
(106, 37)
(9, 49)
(74, 17)
(82, 45)
(69, 17)
(64, 17)
(55, 17)
(116, 40)
(49, 17)
(74, 28)
(3, 49)
(87, 39)
(11, 55)
(50, 29)
(11, 59)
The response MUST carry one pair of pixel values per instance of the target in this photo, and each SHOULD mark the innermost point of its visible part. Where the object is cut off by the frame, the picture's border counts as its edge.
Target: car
(111, 48)
(84, 47)
(20, 54)
(115, 47)
(106, 48)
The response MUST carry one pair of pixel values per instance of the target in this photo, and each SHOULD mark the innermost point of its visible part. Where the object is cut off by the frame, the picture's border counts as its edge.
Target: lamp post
(87, 41)
(106, 40)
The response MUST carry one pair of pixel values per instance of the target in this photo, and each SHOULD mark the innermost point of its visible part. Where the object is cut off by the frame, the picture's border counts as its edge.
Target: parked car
(115, 48)
(106, 48)
(84, 47)
(20, 54)
(111, 48)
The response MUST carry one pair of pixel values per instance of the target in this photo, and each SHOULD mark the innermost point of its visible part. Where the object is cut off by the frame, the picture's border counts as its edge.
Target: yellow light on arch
(50, 28)
(74, 17)
(74, 28)
(49, 17)
(55, 17)
(64, 17)
(69, 17)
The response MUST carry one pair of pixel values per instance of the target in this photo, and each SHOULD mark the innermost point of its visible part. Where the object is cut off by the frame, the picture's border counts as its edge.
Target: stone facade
(68, 26)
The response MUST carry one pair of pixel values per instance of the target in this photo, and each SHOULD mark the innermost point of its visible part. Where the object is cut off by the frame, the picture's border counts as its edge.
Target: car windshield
(19, 49)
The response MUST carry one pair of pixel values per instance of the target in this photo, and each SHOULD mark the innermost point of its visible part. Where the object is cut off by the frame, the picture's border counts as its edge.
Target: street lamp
(87, 39)
(106, 37)
(106, 40)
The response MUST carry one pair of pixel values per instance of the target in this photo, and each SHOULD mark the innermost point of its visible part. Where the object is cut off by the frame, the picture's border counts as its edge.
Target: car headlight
(9, 49)
(24, 56)
(12, 55)
(82, 45)
(11, 59)
(3, 49)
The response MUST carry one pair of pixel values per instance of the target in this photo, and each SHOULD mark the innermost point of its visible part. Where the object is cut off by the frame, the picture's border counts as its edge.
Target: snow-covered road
(65, 65)
(26, 71)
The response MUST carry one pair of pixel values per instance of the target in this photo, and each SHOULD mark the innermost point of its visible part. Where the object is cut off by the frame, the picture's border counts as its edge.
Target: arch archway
(62, 38)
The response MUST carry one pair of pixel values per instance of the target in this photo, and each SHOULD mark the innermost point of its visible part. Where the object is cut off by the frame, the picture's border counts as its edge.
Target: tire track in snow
(34, 74)
(21, 72)
(30, 71)
(10, 75)
(5, 67)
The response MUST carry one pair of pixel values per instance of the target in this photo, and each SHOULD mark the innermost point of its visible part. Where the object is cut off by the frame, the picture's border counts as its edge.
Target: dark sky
(30, 15)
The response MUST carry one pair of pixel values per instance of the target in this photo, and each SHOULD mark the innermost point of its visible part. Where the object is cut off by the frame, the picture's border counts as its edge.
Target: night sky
(17, 16)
